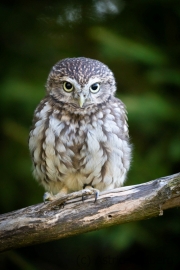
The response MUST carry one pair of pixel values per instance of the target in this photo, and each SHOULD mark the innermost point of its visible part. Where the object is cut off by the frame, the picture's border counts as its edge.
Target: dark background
(140, 41)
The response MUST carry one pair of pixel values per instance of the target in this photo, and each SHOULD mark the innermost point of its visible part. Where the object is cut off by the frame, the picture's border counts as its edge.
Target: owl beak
(81, 100)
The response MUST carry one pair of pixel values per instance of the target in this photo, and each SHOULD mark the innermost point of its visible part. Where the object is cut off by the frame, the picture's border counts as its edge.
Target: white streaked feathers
(98, 149)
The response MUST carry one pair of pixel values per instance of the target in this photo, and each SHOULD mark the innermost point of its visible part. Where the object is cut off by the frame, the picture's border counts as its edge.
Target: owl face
(81, 82)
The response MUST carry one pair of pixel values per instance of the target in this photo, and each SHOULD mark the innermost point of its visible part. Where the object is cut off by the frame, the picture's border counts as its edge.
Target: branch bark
(46, 222)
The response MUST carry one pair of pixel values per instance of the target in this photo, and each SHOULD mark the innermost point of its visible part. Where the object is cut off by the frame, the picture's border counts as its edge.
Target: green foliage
(139, 40)
(114, 45)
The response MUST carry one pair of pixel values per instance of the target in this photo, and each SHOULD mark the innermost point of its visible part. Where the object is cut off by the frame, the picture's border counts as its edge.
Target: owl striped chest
(61, 133)
(68, 129)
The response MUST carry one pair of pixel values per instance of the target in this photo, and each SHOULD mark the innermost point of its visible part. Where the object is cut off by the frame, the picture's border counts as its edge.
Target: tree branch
(46, 222)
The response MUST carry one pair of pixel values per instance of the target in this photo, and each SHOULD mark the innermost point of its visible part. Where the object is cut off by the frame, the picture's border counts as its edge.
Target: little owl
(79, 138)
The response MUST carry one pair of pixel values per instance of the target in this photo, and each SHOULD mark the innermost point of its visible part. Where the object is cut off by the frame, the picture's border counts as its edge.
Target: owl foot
(88, 190)
(48, 197)
(92, 190)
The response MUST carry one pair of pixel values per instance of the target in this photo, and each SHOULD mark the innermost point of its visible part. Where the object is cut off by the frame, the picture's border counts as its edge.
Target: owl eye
(94, 88)
(68, 87)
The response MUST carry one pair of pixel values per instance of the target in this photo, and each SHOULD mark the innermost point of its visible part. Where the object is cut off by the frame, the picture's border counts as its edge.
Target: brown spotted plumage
(80, 135)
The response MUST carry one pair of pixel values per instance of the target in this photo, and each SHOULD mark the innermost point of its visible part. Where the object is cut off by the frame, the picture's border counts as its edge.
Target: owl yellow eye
(68, 87)
(94, 88)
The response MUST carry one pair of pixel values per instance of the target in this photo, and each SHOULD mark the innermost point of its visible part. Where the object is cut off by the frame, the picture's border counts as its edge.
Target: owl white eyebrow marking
(92, 81)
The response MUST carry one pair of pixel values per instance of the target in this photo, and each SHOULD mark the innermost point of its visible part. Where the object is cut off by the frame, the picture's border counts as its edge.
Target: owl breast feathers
(80, 135)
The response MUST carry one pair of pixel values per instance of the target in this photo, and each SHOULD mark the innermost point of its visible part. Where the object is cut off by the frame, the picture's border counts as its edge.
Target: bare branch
(46, 222)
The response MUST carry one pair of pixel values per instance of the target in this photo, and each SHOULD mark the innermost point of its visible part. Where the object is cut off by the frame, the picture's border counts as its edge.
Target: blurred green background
(140, 42)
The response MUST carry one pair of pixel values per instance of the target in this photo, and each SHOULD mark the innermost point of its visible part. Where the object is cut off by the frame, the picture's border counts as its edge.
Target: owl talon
(96, 194)
(92, 190)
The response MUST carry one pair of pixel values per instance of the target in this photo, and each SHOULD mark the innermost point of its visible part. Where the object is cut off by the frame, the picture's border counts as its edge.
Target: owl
(79, 136)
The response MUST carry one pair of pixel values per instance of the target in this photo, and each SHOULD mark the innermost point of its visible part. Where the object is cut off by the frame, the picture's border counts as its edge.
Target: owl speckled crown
(81, 69)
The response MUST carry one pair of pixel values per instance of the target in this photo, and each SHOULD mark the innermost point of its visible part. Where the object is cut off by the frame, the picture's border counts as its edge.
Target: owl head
(81, 82)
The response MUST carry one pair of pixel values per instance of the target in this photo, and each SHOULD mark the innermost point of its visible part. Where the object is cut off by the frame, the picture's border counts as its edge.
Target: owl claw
(96, 194)
(93, 191)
